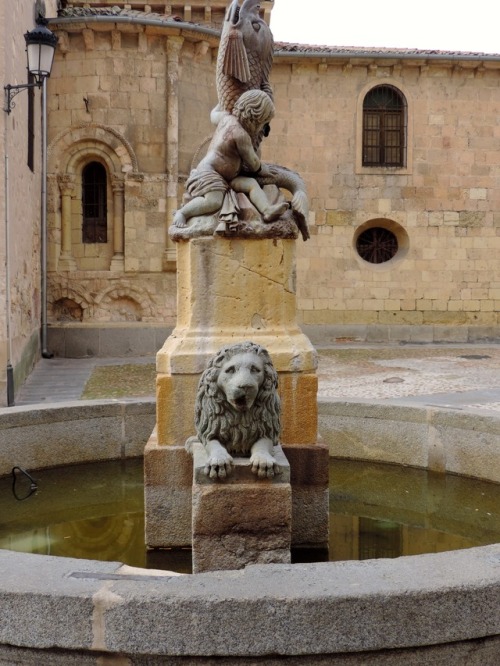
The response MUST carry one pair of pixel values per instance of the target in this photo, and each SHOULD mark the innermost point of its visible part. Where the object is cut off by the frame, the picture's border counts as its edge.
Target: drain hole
(474, 357)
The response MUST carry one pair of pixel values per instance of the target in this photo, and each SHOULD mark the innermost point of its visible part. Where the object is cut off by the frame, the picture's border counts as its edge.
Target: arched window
(94, 196)
(384, 127)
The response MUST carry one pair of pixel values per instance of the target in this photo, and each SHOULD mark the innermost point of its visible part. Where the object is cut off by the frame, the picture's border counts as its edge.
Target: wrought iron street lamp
(40, 46)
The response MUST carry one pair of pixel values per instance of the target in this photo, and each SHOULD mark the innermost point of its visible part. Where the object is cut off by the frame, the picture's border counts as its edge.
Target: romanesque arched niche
(69, 157)
(124, 301)
(70, 304)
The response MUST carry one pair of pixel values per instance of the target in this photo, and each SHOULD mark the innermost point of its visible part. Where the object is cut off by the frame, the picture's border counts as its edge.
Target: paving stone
(464, 376)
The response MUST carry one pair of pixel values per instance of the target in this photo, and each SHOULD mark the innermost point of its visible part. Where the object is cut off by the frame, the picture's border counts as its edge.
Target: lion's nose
(245, 383)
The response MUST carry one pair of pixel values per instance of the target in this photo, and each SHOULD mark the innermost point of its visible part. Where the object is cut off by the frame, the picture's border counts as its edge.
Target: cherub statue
(231, 164)
(232, 167)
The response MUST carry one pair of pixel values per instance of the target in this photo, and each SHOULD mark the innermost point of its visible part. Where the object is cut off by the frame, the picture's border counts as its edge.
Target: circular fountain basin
(96, 511)
(442, 606)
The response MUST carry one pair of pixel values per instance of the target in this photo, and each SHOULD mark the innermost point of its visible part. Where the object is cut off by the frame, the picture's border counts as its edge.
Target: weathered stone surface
(432, 438)
(480, 652)
(236, 551)
(298, 394)
(158, 466)
(77, 432)
(308, 464)
(259, 508)
(310, 516)
(168, 519)
(29, 624)
(235, 290)
(428, 603)
(168, 473)
(175, 400)
(309, 467)
(242, 521)
(138, 417)
(374, 432)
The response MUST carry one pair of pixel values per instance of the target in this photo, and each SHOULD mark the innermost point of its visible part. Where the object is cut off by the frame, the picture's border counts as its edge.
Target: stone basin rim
(306, 609)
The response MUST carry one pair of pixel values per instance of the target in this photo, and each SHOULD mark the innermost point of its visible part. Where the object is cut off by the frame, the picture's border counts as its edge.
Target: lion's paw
(219, 465)
(264, 465)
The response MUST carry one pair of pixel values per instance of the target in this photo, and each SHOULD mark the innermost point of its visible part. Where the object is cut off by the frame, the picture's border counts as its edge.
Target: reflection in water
(388, 511)
(88, 511)
(96, 511)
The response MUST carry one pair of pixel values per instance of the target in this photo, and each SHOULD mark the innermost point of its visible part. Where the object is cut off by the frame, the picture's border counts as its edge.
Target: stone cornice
(361, 56)
(140, 22)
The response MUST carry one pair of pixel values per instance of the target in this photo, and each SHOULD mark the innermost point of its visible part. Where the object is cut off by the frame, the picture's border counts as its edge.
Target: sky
(445, 25)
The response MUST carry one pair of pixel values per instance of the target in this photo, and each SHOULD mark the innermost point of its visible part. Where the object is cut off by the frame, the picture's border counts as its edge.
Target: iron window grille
(384, 127)
(94, 203)
(377, 245)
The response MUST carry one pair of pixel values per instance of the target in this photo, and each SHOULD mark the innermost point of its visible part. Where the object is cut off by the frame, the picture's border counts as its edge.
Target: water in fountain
(96, 511)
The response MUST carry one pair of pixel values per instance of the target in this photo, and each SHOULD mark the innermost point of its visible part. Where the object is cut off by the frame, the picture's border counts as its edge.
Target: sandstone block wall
(24, 191)
(116, 97)
(443, 206)
(149, 92)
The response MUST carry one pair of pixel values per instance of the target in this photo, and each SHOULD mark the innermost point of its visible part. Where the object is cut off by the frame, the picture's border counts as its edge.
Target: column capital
(117, 183)
(66, 182)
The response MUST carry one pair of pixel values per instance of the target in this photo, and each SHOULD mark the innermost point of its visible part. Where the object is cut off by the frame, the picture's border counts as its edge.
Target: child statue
(230, 163)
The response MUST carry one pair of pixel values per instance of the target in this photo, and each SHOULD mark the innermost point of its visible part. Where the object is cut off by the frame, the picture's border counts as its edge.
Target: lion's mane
(216, 419)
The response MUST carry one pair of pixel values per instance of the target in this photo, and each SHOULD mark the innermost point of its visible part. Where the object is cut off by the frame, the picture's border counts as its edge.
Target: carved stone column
(174, 45)
(66, 260)
(117, 262)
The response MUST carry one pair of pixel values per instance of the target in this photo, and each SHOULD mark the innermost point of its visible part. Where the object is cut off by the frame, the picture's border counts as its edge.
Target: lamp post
(40, 47)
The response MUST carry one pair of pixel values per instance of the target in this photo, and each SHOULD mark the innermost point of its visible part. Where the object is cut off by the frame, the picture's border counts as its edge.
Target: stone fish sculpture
(231, 192)
(237, 411)
(245, 55)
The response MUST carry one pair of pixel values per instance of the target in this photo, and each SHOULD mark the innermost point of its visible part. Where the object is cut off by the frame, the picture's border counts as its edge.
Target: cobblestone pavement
(453, 376)
(462, 377)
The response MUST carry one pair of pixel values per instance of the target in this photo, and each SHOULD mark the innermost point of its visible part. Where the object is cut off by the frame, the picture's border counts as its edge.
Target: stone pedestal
(230, 291)
(241, 520)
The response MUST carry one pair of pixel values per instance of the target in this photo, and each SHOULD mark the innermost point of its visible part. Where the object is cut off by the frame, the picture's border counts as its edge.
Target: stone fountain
(236, 284)
(236, 235)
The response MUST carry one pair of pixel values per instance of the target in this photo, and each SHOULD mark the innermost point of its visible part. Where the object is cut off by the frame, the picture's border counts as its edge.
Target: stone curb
(54, 434)
(433, 438)
(307, 609)
(87, 607)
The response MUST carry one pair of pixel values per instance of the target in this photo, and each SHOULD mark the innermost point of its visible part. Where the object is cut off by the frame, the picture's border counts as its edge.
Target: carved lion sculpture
(237, 410)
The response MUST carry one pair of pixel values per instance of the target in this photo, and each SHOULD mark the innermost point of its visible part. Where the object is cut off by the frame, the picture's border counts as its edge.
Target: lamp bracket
(12, 91)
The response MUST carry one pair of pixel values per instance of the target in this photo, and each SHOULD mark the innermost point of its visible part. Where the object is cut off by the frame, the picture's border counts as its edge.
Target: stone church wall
(137, 98)
(443, 207)
(116, 97)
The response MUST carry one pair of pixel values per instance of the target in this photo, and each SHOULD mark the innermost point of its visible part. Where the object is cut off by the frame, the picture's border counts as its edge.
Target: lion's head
(237, 401)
